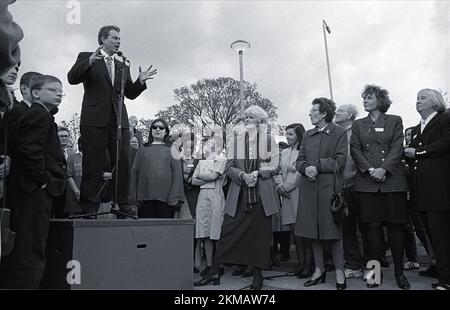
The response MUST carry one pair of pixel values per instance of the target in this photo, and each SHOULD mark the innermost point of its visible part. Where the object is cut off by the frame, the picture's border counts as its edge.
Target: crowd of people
(245, 192)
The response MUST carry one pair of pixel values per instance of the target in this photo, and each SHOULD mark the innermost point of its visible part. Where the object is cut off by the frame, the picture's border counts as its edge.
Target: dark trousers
(438, 228)
(155, 209)
(96, 142)
(24, 267)
(352, 252)
(410, 242)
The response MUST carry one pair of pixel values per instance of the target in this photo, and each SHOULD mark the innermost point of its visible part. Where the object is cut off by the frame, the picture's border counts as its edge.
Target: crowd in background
(246, 198)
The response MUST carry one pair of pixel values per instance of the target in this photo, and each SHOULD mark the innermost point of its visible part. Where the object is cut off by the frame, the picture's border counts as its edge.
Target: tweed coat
(430, 170)
(323, 150)
(376, 145)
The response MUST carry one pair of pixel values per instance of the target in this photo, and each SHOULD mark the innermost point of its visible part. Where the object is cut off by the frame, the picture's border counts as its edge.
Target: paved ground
(277, 279)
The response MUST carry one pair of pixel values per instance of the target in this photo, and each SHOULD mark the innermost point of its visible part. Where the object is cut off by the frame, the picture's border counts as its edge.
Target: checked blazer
(376, 145)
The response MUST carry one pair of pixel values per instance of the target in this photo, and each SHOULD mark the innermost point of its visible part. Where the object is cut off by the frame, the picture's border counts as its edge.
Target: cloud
(401, 45)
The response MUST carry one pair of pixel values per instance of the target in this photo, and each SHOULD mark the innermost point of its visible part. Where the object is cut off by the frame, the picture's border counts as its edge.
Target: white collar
(323, 128)
(429, 118)
(105, 55)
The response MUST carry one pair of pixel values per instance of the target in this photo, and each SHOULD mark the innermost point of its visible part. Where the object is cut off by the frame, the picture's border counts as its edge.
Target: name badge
(379, 129)
(415, 136)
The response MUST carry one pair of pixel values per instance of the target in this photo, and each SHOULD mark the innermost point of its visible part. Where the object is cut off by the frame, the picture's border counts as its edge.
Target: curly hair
(382, 95)
(326, 106)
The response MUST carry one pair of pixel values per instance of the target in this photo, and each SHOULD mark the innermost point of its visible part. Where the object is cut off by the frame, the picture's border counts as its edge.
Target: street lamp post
(240, 46)
(327, 29)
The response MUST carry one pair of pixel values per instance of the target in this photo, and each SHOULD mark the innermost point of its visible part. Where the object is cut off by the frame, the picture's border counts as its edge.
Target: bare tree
(213, 102)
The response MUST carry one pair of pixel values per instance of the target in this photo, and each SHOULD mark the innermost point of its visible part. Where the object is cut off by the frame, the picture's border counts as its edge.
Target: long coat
(290, 180)
(376, 145)
(430, 170)
(323, 150)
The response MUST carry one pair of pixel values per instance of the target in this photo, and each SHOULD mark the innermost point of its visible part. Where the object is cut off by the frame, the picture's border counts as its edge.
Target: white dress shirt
(424, 123)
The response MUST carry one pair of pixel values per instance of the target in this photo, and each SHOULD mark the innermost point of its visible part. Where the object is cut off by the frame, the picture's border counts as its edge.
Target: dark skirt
(382, 207)
(245, 239)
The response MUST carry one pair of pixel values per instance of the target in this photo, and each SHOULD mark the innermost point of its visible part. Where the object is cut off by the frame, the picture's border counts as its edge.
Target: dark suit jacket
(100, 96)
(40, 158)
(430, 170)
(14, 115)
(378, 145)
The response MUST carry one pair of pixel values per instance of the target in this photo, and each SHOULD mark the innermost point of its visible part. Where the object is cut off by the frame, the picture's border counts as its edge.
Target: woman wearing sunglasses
(156, 176)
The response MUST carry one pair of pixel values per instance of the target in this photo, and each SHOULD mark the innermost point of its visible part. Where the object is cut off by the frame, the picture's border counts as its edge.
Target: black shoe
(205, 271)
(239, 271)
(316, 281)
(441, 286)
(430, 272)
(257, 283)
(341, 286)
(214, 279)
(402, 282)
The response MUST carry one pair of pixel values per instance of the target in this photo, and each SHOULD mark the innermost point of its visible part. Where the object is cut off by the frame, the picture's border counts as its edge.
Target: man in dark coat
(101, 73)
(429, 159)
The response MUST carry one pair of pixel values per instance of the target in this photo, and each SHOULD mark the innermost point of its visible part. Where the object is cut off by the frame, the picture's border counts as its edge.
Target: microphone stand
(115, 209)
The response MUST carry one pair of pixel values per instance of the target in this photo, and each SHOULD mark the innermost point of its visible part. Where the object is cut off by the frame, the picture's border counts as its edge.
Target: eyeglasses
(158, 127)
(56, 91)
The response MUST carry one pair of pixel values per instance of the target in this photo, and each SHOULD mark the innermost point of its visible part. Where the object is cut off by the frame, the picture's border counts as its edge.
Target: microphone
(124, 59)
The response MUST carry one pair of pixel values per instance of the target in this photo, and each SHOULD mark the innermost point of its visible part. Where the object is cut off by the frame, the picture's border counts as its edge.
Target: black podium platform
(120, 254)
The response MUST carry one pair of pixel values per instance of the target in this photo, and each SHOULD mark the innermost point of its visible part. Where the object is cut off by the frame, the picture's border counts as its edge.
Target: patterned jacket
(376, 145)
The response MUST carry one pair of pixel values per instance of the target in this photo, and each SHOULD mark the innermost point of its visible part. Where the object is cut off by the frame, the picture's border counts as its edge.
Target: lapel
(415, 135)
(370, 126)
(432, 122)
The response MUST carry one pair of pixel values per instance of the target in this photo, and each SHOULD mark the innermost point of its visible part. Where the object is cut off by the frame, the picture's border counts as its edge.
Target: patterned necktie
(109, 67)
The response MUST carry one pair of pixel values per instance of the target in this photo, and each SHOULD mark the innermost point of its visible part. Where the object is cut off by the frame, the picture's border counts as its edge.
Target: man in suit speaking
(101, 73)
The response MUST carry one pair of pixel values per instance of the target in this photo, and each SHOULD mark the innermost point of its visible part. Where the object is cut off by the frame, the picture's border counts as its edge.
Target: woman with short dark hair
(288, 189)
(323, 150)
(376, 146)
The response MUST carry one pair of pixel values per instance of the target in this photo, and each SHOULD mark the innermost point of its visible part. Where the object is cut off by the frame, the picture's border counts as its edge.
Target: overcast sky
(402, 46)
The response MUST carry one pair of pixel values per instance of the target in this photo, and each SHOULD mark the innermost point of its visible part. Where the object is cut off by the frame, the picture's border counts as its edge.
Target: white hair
(351, 109)
(258, 113)
(436, 98)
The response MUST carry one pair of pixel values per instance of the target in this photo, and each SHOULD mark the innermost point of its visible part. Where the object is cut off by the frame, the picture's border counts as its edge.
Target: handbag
(339, 208)
(188, 181)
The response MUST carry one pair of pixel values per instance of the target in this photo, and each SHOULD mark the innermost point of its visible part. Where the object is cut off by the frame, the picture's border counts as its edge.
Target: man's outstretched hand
(146, 74)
